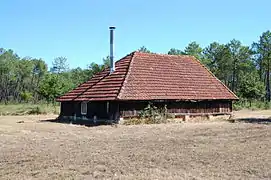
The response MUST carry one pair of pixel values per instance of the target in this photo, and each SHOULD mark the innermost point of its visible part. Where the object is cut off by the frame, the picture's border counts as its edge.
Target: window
(107, 107)
(84, 108)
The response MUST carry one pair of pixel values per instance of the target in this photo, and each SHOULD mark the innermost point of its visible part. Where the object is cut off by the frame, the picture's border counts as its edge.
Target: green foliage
(194, 49)
(26, 96)
(106, 62)
(245, 70)
(95, 68)
(78, 76)
(60, 65)
(153, 114)
(251, 88)
(251, 105)
(35, 110)
(51, 87)
(174, 51)
(150, 115)
(28, 79)
(215, 56)
(144, 50)
(262, 57)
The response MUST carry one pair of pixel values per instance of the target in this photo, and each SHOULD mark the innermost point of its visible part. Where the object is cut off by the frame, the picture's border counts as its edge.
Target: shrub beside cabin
(181, 82)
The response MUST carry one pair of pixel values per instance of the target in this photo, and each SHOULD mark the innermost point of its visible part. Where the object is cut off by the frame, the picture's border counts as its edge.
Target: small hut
(179, 81)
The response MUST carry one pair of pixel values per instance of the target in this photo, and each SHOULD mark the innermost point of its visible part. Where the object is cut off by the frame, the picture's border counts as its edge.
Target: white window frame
(84, 107)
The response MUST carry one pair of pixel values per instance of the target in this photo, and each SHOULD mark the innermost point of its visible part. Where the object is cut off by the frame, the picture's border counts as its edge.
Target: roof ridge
(129, 67)
(162, 54)
(198, 61)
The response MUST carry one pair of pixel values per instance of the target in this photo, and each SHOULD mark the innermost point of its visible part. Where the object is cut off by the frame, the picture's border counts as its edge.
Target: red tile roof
(145, 76)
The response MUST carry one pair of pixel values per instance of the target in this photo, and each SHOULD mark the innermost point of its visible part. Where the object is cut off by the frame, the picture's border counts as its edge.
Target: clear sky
(78, 29)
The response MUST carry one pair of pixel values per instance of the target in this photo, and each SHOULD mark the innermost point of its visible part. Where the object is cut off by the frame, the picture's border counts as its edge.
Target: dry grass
(27, 109)
(209, 150)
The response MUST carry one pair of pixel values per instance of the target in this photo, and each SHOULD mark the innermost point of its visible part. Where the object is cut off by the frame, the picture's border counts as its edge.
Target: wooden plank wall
(132, 108)
(204, 107)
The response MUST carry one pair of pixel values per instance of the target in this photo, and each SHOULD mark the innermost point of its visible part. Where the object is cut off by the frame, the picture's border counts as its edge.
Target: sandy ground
(211, 150)
(252, 114)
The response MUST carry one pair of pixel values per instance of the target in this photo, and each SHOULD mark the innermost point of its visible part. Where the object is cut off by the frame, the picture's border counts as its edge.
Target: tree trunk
(261, 70)
(233, 76)
(268, 80)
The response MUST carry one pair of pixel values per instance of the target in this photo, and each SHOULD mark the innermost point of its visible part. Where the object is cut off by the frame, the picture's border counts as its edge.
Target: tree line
(244, 69)
(29, 79)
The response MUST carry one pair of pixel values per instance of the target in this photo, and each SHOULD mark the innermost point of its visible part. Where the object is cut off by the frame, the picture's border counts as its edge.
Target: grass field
(27, 109)
(38, 149)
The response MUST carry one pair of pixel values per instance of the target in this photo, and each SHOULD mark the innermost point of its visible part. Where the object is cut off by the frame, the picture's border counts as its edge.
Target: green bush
(267, 105)
(250, 104)
(26, 96)
(237, 107)
(154, 115)
(35, 110)
(150, 115)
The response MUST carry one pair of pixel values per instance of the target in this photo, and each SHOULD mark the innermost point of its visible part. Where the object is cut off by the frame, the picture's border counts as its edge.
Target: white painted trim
(84, 103)
(107, 107)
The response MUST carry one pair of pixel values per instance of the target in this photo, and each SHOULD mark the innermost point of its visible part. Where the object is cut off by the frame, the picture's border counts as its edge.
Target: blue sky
(78, 29)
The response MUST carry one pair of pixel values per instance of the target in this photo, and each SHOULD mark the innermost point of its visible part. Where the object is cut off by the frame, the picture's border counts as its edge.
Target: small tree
(194, 49)
(144, 49)
(154, 115)
(51, 87)
(174, 51)
(251, 88)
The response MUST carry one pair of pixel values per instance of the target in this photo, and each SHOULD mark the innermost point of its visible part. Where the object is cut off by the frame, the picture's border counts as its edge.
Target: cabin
(180, 82)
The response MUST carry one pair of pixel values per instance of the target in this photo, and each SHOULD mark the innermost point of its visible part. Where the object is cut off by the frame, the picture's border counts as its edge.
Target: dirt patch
(39, 149)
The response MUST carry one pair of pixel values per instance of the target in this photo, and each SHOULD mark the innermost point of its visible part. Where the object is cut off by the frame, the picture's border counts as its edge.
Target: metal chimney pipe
(112, 64)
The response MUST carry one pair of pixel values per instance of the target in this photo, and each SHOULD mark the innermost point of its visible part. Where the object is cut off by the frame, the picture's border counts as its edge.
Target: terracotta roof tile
(155, 76)
(103, 86)
(145, 76)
